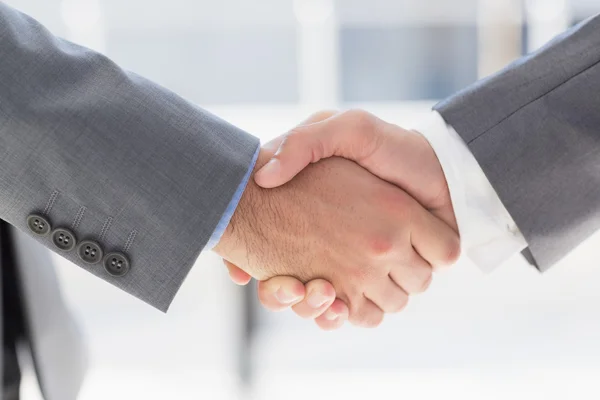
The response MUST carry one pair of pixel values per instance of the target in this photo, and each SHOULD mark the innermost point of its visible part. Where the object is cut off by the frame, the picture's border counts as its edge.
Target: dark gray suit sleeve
(112, 157)
(535, 130)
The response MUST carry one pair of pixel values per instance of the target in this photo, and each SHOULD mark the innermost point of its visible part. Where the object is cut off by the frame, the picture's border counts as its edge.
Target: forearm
(111, 156)
(257, 211)
(533, 130)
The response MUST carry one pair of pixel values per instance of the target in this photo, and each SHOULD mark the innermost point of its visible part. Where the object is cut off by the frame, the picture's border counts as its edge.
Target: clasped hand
(346, 217)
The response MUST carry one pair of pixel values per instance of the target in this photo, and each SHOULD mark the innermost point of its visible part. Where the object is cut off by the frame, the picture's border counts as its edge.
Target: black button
(90, 251)
(63, 239)
(116, 264)
(38, 224)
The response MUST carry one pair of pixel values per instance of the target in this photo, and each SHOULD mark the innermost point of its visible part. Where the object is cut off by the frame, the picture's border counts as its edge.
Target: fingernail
(330, 315)
(284, 297)
(316, 300)
(272, 167)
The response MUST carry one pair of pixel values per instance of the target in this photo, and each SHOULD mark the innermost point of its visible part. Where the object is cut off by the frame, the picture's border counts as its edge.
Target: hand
(282, 292)
(315, 301)
(336, 221)
(376, 149)
(399, 156)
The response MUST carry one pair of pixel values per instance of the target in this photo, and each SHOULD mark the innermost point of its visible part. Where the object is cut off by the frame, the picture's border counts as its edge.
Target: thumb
(293, 155)
(295, 151)
(354, 134)
(236, 274)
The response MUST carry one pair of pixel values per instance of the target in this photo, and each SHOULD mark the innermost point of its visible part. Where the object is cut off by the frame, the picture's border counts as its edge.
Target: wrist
(244, 222)
(435, 139)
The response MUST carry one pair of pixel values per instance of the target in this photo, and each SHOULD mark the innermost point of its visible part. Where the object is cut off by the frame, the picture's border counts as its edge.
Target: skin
(399, 156)
(282, 292)
(371, 240)
(376, 146)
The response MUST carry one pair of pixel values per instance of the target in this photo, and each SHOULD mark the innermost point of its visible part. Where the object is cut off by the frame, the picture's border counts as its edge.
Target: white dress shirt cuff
(488, 234)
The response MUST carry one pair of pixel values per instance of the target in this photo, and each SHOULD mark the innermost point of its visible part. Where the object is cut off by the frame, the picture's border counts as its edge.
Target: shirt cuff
(224, 221)
(488, 233)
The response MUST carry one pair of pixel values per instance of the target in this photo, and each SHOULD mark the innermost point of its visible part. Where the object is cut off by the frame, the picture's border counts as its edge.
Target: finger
(292, 157)
(236, 274)
(272, 145)
(319, 116)
(413, 276)
(334, 317)
(297, 149)
(388, 296)
(349, 135)
(280, 292)
(320, 294)
(434, 240)
(365, 313)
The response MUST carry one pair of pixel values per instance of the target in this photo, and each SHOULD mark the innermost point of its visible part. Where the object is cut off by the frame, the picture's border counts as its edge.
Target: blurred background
(265, 65)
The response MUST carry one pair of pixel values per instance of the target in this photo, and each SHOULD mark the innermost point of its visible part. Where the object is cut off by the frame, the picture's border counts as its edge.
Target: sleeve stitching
(533, 101)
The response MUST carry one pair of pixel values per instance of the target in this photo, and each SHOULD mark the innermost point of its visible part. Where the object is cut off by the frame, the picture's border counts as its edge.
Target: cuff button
(63, 239)
(89, 252)
(116, 264)
(38, 224)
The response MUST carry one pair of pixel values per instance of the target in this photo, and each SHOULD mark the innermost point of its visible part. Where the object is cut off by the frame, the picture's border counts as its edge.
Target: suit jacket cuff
(224, 222)
(488, 234)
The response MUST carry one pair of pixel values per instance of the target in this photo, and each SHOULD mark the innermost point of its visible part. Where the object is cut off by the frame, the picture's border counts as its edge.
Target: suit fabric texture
(534, 129)
(133, 172)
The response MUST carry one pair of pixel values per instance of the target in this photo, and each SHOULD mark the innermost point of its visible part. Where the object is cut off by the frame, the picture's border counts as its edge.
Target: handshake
(345, 217)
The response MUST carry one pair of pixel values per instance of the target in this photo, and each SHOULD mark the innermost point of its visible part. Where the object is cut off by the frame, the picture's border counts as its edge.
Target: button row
(89, 251)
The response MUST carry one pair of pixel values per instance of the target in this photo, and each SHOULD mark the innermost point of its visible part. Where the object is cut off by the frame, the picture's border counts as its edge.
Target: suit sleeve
(534, 128)
(133, 177)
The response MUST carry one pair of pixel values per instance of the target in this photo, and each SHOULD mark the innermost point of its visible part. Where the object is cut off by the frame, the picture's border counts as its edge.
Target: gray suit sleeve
(112, 157)
(535, 130)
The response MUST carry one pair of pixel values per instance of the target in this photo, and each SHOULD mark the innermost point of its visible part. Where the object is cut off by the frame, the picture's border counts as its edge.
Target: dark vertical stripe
(12, 317)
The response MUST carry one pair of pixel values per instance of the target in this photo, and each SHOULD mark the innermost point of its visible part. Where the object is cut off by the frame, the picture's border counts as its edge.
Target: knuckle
(400, 304)
(422, 275)
(268, 301)
(300, 139)
(303, 311)
(364, 316)
(422, 283)
(395, 202)
(361, 276)
(361, 119)
(293, 136)
(379, 246)
(417, 275)
(321, 286)
(451, 252)
(372, 320)
(426, 281)
(322, 115)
